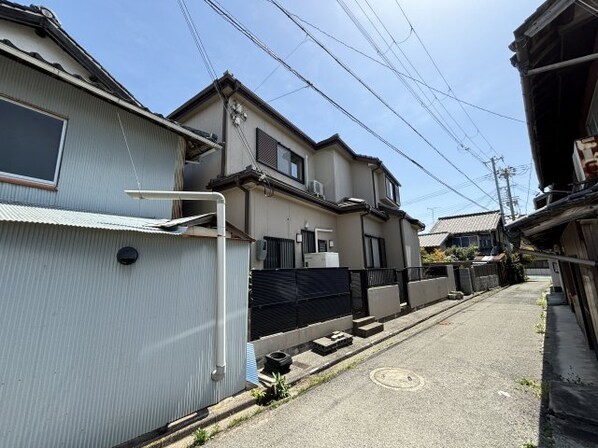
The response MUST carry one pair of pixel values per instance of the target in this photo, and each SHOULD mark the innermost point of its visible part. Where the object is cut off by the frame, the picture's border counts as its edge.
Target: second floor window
(391, 190)
(272, 153)
(30, 144)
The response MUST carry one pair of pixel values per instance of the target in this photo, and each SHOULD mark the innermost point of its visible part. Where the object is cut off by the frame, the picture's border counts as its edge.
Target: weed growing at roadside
(529, 444)
(200, 437)
(259, 395)
(539, 388)
(541, 326)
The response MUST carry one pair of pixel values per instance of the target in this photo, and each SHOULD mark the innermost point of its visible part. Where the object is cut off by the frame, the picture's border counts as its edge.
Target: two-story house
(108, 311)
(294, 195)
(556, 52)
(485, 230)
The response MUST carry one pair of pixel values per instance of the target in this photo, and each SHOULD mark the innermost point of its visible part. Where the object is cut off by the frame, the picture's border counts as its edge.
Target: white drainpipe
(220, 370)
(318, 229)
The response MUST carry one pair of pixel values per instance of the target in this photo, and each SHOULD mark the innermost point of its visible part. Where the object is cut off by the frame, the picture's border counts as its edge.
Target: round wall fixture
(127, 255)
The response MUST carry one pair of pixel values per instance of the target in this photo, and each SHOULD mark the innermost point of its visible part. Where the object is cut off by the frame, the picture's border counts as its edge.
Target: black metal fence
(417, 274)
(286, 299)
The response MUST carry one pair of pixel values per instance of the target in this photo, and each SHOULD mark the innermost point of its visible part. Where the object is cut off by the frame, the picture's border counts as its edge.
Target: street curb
(248, 401)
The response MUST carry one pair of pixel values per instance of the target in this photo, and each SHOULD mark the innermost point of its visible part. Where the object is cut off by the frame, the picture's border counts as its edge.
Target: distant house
(555, 52)
(294, 195)
(484, 230)
(107, 304)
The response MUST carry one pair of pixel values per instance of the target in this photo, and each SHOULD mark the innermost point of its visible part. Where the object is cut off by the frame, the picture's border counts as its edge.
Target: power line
(278, 66)
(442, 75)
(444, 191)
(371, 90)
(382, 55)
(241, 28)
(212, 73)
(446, 94)
(446, 126)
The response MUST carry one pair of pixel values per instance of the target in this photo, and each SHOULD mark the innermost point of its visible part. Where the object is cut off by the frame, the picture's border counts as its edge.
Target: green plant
(259, 395)
(279, 388)
(529, 444)
(515, 270)
(541, 326)
(200, 437)
(462, 253)
(215, 430)
(539, 388)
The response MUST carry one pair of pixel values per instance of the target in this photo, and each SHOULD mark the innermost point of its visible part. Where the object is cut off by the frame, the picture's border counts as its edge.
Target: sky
(147, 46)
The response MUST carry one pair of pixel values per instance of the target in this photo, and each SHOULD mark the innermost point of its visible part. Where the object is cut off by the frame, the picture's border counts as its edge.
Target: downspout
(361, 215)
(220, 370)
(402, 234)
(319, 229)
(224, 135)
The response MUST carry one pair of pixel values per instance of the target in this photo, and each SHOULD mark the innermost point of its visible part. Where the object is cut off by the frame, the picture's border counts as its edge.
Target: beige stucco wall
(373, 226)
(412, 254)
(349, 241)
(342, 176)
(323, 171)
(238, 157)
(361, 177)
(208, 119)
(392, 239)
(281, 216)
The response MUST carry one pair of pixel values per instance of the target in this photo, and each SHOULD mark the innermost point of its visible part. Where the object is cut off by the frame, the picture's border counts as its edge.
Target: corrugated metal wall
(95, 167)
(94, 353)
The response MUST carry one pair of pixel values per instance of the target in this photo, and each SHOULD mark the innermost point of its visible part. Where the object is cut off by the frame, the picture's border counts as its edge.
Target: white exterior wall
(95, 353)
(323, 171)
(342, 177)
(95, 168)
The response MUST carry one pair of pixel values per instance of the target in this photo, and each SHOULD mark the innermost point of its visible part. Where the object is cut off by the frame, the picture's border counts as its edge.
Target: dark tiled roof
(472, 223)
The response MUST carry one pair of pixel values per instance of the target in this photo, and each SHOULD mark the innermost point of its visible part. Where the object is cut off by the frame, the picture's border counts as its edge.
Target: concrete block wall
(465, 278)
(384, 301)
(427, 291)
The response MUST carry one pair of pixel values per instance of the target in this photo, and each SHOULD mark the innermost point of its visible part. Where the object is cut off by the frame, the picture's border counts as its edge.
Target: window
(322, 246)
(465, 241)
(277, 156)
(30, 144)
(280, 253)
(391, 190)
(375, 252)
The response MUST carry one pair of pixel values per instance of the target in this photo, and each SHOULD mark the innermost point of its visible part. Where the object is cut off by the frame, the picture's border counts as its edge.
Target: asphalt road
(457, 386)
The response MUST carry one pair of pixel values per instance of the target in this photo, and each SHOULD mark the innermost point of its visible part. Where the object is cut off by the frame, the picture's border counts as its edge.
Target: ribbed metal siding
(94, 353)
(95, 167)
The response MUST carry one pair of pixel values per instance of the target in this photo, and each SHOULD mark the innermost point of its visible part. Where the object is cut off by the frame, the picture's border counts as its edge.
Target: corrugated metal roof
(472, 223)
(432, 239)
(70, 218)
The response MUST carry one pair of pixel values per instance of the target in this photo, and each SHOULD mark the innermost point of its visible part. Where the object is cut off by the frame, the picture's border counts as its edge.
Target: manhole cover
(398, 379)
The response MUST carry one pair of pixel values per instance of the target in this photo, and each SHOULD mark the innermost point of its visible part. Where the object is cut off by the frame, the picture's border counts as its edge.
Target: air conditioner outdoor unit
(321, 260)
(316, 188)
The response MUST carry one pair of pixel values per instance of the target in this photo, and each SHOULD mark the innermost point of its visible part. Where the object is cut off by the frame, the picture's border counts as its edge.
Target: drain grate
(397, 379)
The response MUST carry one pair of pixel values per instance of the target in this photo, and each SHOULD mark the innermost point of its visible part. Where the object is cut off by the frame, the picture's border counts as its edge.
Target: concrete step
(363, 321)
(368, 330)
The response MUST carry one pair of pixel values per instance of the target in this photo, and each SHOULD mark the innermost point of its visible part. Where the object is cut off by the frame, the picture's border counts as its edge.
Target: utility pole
(432, 210)
(493, 161)
(506, 174)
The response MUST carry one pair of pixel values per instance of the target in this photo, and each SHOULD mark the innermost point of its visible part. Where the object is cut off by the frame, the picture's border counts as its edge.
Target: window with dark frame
(31, 143)
(391, 189)
(280, 253)
(375, 252)
(272, 153)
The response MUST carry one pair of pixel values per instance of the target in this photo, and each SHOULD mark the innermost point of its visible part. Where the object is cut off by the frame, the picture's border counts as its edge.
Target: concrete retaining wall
(427, 291)
(301, 336)
(384, 301)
